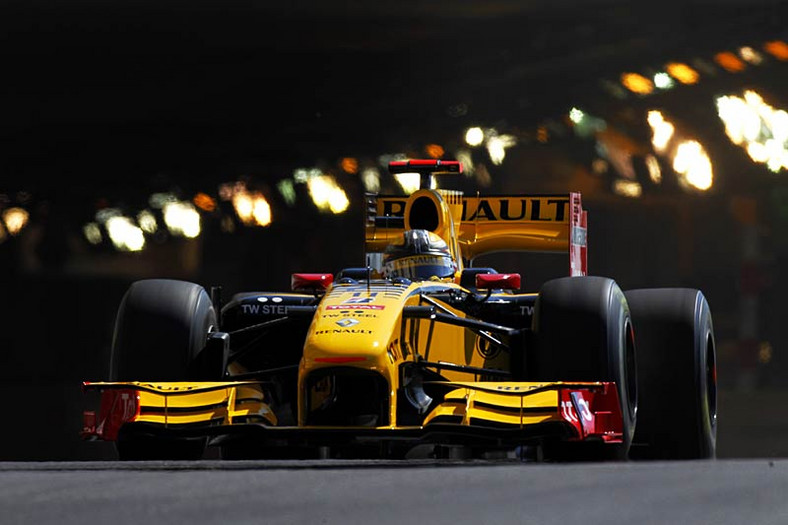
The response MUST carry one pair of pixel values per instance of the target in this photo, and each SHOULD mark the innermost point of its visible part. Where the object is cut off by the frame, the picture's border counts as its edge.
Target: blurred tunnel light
(327, 194)
(756, 126)
(301, 176)
(474, 136)
(663, 81)
(261, 211)
(497, 146)
(466, 159)
(15, 220)
(765, 352)
(584, 124)
(542, 134)
(252, 208)
(777, 48)
(693, 164)
(286, 188)
(349, 165)
(244, 207)
(226, 191)
(435, 151)
(147, 221)
(576, 115)
(105, 214)
(124, 234)
(637, 83)
(627, 188)
(158, 200)
(750, 55)
(661, 129)
(383, 160)
(370, 177)
(682, 72)
(182, 219)
(205, 202)
(92, 233)
(729, 62)
(409, 182)
(654, 171)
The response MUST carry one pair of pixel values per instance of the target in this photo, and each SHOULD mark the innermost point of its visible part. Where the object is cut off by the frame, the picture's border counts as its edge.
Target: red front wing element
(118, 406)
(593, 412)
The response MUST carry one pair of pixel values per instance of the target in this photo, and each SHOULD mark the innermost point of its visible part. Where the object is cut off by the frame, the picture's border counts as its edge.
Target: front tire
(160, 333)
(161, 327)
(677, 374)
(583, 332)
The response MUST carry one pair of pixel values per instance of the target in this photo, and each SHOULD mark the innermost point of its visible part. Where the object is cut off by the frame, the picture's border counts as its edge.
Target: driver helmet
(418, 255)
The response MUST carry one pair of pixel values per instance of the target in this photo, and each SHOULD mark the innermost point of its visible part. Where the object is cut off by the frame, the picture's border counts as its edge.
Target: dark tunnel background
(105, 104)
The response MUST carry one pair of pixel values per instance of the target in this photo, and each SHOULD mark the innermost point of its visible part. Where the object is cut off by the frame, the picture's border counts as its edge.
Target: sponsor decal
(568, 410)
(333, 331)
(346, 323)
(355, 307)
(534, 209)
(341, 315)
(515, 209)
(264, 309)
(393, 208)
(527, 310)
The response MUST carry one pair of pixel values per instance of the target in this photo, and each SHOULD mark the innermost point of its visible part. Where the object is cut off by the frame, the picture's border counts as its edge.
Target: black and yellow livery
(418, 350)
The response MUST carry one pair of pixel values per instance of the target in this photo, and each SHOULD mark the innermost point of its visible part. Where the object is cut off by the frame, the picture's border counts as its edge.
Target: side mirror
(498, 281)
(311, 282)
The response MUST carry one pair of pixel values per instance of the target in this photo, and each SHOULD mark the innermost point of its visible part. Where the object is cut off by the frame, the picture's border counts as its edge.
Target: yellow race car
(418, 353)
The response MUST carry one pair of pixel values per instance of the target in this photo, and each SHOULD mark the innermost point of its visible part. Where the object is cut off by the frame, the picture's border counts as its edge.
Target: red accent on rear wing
(578, 236)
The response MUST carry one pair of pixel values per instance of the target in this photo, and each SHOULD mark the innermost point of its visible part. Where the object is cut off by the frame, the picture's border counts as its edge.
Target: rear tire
(161, 328)
(677, 374)
(583, 332)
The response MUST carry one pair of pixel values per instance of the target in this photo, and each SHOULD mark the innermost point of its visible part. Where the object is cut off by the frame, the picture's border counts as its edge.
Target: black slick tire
(161, 328)
(677, 376)
(582, 331)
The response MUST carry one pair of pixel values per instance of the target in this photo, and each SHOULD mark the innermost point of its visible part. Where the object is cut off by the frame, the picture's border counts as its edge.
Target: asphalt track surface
(753, 491)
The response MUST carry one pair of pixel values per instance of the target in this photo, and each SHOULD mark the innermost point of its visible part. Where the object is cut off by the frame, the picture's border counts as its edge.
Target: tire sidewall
(706, 388)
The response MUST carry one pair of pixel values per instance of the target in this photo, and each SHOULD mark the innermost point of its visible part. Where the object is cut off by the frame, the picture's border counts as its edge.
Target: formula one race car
(418, 352)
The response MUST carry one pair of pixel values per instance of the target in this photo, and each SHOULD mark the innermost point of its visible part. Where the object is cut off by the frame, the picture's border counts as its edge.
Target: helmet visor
(420, 267)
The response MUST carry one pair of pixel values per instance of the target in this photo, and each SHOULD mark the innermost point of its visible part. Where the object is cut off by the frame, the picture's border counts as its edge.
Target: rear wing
(492, 223)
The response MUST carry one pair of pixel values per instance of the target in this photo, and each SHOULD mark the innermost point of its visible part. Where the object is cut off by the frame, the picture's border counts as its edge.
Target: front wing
(498, 413)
